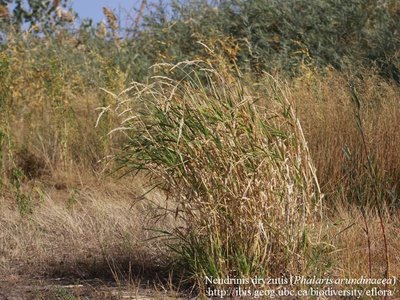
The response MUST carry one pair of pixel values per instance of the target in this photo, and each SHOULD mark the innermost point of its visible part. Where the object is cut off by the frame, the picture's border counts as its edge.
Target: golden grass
(99, 232)
(347, 231)
(235, 164)
(48, 106)
(60, 215)
(84, 230)
(327, 113)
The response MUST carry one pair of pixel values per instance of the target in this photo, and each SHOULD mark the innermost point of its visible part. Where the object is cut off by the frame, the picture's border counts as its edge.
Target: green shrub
(285, 36)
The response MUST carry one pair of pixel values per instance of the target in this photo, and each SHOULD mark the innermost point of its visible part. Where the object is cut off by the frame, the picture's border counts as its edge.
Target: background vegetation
(223, 110)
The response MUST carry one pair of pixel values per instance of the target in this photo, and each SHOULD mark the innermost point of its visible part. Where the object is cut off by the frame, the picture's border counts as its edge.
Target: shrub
(275, 35)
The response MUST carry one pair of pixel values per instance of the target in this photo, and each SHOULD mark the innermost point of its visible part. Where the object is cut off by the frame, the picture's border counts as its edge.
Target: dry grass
(48, 107)
(229, 153)
(347, 231)
(86, 231)
(328, 115)
(235, 164)
(99, 233)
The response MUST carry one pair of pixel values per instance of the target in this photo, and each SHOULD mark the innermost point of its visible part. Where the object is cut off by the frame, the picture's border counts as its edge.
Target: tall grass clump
(352, 123)
(235, 166)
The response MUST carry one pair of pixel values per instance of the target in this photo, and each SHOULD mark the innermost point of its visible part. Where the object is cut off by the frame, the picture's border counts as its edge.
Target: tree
(42, 15)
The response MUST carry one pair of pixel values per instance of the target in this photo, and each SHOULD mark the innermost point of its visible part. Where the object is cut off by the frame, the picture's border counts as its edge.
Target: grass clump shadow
(234, 163)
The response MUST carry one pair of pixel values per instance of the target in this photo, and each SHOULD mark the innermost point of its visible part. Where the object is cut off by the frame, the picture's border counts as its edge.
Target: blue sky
(93, 8)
